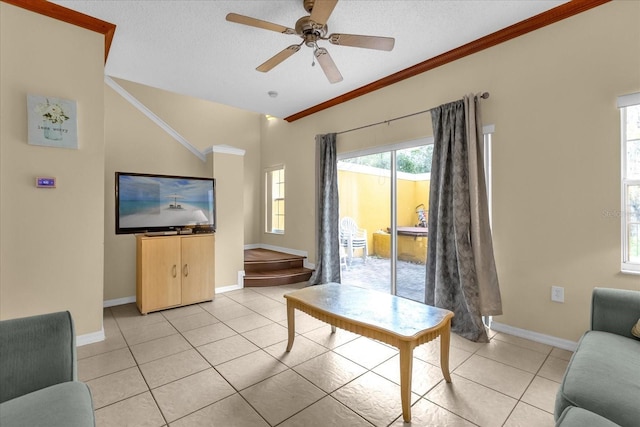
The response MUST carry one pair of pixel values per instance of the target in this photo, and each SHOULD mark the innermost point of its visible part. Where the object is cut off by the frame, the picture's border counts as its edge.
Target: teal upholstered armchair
(38, 374)
(601, 386)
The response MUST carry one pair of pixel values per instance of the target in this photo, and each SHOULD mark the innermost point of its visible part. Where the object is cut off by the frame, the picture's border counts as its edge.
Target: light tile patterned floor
(224, 363)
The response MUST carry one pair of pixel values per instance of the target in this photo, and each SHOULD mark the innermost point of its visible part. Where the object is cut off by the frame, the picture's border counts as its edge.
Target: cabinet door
(160, 268)
(197, 269)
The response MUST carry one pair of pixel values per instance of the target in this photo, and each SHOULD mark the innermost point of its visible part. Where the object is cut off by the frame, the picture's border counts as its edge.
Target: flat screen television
(161, 203)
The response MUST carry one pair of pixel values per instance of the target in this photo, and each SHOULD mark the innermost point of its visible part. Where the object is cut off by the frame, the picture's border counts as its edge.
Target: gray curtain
(327, 218)
(461, 273)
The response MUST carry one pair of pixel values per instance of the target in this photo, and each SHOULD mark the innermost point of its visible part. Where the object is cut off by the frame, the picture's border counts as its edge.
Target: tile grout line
(292, 368)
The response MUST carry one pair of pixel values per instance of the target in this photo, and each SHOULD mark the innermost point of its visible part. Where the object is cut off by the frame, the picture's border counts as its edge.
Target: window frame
(626, 265)
(269, 200)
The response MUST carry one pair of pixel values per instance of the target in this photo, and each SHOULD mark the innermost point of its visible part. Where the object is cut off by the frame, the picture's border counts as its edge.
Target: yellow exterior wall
(410, 248)
(366, 198)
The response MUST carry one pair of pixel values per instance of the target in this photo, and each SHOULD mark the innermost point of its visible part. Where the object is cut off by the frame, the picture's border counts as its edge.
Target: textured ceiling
(187, 46)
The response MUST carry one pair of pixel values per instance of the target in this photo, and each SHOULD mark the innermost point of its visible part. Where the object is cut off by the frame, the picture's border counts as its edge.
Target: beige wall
(203, 124)
(134, 143)
(556, 159)
(51, 240)
(555, 165)
(228, 170)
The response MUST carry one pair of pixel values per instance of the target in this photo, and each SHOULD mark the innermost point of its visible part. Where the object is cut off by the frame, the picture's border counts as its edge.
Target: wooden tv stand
(172, 271)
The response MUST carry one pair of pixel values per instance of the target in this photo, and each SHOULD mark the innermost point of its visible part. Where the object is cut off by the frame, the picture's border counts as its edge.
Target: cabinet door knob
(185, 270)
(174, 271)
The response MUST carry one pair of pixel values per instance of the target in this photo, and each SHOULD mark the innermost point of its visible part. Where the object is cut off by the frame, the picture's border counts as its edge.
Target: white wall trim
(535, 336)
(153, 117)
(628, 100)
(230, 288)
(241, 278)
(118, 301)
(225, 149)
(91, 338)
(487, 129)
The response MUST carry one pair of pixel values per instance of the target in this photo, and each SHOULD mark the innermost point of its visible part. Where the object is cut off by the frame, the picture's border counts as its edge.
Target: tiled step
(265, 267)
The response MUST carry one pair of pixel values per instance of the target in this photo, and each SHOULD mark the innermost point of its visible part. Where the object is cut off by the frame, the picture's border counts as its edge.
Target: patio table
(402, 323)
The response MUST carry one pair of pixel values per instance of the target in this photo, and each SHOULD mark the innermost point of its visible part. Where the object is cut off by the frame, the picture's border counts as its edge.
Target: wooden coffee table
(396, 321)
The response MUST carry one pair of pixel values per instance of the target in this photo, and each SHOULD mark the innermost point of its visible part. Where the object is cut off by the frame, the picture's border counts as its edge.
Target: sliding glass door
(413, 166)
(364, 186)
(384, 196)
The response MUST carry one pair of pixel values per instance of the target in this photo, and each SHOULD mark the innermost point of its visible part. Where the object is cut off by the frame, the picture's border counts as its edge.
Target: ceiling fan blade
(278, 58)
(322, 10)
(328, 66)
(368, 42)
(258, 23)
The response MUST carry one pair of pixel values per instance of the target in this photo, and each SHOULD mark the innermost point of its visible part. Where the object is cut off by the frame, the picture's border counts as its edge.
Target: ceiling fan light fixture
(272, 94)
(311, 29)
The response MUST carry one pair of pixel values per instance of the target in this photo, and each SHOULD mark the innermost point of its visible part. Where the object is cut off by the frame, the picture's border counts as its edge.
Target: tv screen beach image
(151, 201)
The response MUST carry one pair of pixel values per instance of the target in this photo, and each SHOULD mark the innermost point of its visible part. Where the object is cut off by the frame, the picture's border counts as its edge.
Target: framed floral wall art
(52, 122)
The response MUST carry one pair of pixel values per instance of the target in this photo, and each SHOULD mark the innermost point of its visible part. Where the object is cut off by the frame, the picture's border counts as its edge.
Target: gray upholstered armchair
(38, 374)
(601, 386)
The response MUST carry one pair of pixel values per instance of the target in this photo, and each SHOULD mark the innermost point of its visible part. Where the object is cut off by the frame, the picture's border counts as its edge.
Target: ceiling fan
(311, 29)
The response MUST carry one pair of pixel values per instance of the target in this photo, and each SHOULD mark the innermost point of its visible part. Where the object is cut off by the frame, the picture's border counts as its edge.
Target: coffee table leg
(406, 367)
(291, 325)
(445, 339)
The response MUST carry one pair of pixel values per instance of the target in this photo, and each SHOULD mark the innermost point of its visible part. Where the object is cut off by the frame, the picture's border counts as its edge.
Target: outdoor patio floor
(375, 274)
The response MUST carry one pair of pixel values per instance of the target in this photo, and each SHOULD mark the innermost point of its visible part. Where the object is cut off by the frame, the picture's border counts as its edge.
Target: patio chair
(352, 238)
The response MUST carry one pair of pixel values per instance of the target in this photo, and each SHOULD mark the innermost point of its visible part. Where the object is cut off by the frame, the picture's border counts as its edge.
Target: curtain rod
(484, 95)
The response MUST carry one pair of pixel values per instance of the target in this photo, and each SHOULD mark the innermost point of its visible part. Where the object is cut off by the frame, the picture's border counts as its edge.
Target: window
(488, 132)
(383, 186)
(630, 117)
(274, 218)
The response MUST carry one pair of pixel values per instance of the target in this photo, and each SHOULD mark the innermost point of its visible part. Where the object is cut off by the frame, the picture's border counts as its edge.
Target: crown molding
(61, 13)
(225, 149)
(154, 117)
(549, 17)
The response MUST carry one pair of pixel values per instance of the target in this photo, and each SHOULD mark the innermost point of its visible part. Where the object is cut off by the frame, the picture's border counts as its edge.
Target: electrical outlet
(557, 293)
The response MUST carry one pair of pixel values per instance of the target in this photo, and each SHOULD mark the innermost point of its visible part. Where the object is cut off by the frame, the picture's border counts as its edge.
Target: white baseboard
(218, 290)
(535, 336)
(297, 252)
(90, 338)
(118, 301)
(230, 288)
(241, 278)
